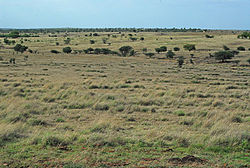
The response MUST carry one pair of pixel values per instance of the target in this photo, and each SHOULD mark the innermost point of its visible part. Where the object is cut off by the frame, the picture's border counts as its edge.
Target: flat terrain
(87, 110)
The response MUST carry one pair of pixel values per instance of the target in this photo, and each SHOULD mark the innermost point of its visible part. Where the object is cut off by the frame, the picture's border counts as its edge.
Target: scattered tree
(223, 55)
(20, 48)
(125, 50)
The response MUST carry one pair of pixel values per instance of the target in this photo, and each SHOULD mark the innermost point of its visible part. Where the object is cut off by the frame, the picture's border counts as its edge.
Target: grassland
(87, 110)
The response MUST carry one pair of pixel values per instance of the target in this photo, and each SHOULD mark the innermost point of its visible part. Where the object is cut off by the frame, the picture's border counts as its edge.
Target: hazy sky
(217, 14)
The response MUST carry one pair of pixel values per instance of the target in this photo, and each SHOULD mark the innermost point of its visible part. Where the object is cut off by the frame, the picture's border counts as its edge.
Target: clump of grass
(237, 119)
(101, 107)
(94, 87)
(55, 141)
(180, 113)
(75, 106)
(101, 128)
(60, 120)
(10, 133)
(36, 122)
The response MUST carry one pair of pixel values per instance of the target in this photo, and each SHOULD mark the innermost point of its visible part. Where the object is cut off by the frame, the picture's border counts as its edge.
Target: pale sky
(211, 14)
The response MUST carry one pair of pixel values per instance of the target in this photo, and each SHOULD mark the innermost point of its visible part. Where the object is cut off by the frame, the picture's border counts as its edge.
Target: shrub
(158, 50)
(54, 51)
(142, 38)
(133, 38)
(55, 141)
(241, 48)
(176, 49)
(244, 35)
(125, 50)
(209, 36)
(67, 41)
(226, 48)
(223, 55)
(92, 41)
(189, 47)
(145, 50)
(67, 50)
(101, 107)
(170, 54)
(132, 53)
(163, 48)
(149, 54)
(248, 60)
(180, 61)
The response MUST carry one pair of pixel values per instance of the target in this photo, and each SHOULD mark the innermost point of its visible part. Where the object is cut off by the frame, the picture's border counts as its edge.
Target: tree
(92, 41)
(180, 61)
(125, 50)
(170, 54)
(142, 38)
(223, 55)
(20, 48)
(67, 50)
(189, 47)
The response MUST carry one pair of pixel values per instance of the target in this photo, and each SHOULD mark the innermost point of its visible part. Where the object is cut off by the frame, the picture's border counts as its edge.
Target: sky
(206, 14)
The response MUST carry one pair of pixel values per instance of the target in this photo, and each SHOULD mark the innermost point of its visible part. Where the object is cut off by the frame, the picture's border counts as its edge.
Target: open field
(89, 110)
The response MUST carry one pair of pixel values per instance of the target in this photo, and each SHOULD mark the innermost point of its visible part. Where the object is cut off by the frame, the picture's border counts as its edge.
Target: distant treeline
(59, 30)
(16, 34)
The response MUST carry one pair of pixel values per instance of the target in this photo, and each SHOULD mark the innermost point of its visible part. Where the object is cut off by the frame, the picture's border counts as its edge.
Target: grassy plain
(86, 110)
